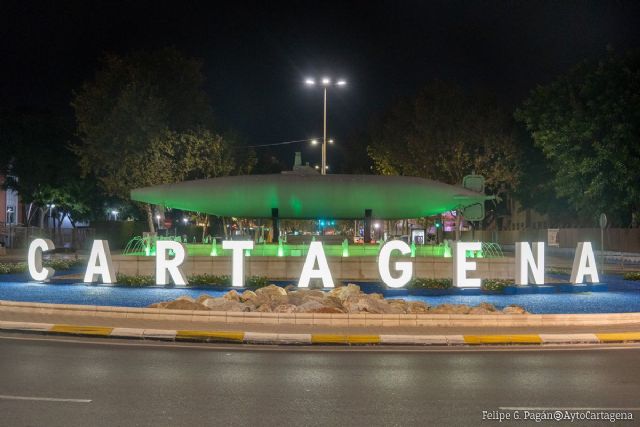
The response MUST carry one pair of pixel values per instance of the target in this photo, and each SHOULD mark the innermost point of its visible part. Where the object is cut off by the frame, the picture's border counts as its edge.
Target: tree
(145, 120)
(444, 134)
(587, 124)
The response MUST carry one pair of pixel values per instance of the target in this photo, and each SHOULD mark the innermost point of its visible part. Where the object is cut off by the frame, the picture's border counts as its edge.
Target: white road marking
(44, 399)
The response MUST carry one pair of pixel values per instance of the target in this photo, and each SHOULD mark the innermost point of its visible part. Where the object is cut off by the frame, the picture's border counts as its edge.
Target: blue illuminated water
(623, 297)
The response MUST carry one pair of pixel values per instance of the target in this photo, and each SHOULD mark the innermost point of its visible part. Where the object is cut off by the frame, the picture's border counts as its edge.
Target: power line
(279, 143)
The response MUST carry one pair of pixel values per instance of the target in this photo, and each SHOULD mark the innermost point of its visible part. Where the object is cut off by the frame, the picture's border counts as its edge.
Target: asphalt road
(121, 383)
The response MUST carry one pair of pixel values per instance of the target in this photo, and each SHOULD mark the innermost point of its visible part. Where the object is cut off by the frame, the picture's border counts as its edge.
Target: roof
(310, 196)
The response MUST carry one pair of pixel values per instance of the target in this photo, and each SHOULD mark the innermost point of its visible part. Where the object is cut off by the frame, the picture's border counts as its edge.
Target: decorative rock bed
(344, 299)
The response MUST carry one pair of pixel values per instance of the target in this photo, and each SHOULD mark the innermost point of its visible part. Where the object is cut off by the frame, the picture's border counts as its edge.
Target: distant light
(331, 141)
(157, 216)
(314, 141)
(376, 225)
(317, 167)
(326, 167)
(326, 81)
(309, 82)
(185, 220)
(113, 212)
(341, 82)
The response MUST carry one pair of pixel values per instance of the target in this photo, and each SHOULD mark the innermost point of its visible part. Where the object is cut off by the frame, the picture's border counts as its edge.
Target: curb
(236, 337)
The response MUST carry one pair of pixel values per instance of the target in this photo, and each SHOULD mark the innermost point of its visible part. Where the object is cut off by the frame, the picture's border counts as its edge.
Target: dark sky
(256, 54)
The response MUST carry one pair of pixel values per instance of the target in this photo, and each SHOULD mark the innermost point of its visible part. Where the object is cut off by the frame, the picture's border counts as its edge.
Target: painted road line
(414, 339)
(619, 337)
(568, 338)
(502, 339)
(44, 399)
(81, 330)
(159, 334)
(261, 337)
(25, 326)
(127, 333)
(210, 336)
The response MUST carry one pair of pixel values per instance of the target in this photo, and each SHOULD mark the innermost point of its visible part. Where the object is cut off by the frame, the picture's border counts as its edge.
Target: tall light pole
(326, 83)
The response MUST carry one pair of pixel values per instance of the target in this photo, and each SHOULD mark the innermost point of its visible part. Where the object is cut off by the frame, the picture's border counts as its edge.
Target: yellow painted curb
(210, 335)
(363, 339)
(502, 339)
(81, 330)
(620, 336)
(329, 339)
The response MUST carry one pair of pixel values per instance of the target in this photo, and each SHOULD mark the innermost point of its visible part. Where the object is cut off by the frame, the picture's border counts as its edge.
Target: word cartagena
(529, 263)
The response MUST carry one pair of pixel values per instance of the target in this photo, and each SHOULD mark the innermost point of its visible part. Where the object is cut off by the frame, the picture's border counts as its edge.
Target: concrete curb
(316, 339)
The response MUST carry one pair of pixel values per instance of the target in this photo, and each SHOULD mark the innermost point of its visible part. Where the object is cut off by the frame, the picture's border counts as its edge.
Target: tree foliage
(145, 120)
(444, 134)
(587, 124)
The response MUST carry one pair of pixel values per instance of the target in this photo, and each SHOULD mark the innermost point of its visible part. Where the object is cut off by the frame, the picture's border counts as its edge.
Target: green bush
(632, 275)
(63, 264)
(256, 282)
(135, 281)
(13, 267)
(206, 280)
(430, 284)
(496, 285)
(558, 270)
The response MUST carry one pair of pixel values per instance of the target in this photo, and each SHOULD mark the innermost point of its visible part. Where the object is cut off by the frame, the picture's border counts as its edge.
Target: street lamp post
(326, 82)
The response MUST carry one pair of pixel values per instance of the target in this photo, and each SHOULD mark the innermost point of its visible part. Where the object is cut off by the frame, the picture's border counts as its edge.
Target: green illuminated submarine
(305, 194)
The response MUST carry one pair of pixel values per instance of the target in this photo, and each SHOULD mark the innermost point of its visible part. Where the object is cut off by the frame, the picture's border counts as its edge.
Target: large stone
(309, 306)
(285, 308)
(363, 303)
(248, 296)
(514, 309)
(344, 292)
(451, 309)
(202, 298)
(232, 295)
(271, 290)
(415, 307)
(158, 305)
(486, 306)
(223, 304)
(184, 304)
(185, 298)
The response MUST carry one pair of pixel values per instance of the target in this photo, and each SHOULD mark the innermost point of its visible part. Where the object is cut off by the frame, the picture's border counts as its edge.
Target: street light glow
(314, 141)
(341, 82)
(331, 141)
(309, 82)
(326, 81)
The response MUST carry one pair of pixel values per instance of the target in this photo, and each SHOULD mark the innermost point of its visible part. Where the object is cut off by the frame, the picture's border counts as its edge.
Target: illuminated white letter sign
(316, 253)
(171, 266)
(34, 259)
(237, 257)
(525, 260)
(461, 265)
(584, 264)
(405, 267)
(100, 263)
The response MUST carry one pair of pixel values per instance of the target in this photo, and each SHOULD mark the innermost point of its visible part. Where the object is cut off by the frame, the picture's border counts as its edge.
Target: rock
(415, 307)
(479, 309)
(285, 308)
(158, 305)
(450, 309)
(184, 304)
(376, 296)
(332, 301)
(309, 306)
(514, 309)
(185, 298)
(271, 290)
(290, 288)
(398, 306)
(248, 296)
(264, 308)
(223, 304)
(202, 298)
(232, 295)
(326, 310)
(363, 303)
(344, 292)
(486, 306)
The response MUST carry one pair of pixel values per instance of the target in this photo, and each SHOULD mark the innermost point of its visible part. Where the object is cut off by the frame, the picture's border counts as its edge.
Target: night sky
(256, 54)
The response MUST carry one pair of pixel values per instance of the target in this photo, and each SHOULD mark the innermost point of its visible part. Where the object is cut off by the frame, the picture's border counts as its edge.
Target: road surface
(58, 381)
